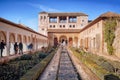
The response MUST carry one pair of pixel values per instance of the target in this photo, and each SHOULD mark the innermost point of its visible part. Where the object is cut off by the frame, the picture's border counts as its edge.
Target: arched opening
(55, 41)
(19, 39)
(70, 41)
(63, 39)
(81, 43)
(94, 43)
(76, 41)
(28, 39)
(24, 39)
(3, 37)
(24, 43)
(86, 43)
(11, 43)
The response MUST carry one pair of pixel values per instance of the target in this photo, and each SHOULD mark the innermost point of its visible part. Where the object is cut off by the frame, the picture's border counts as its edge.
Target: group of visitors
(18, 47)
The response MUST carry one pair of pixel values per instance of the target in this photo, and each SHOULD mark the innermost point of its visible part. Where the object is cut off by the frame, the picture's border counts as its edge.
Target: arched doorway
(3, 37)
(55, 41)
(63, 39)
(19, 39)
(76, 41)
(70, 41)
(11, 43)
(24, 43)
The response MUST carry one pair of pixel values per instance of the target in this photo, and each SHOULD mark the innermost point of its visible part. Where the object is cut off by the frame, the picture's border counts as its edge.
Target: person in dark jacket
(16, 48)
(2, 46)
(20, 48)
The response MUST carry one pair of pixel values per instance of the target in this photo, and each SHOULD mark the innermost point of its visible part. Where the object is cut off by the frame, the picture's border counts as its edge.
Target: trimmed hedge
(99, 65)
(36, 71)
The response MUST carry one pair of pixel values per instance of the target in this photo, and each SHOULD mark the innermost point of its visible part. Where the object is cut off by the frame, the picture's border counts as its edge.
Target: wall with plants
(109, 33)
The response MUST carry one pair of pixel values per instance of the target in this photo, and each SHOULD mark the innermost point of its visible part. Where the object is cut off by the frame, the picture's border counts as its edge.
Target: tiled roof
(110, 14)
(64, 14)
(105, 15)
(67, 14)
(64, 30)
(19, 26)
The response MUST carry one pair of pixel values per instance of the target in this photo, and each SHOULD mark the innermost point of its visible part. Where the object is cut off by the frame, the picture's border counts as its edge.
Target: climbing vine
(109, 33)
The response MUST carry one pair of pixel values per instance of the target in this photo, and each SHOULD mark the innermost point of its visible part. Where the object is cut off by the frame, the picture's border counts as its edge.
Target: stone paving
(50, 72)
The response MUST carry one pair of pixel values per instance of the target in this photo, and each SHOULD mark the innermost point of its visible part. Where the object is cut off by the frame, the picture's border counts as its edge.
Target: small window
(73, 26)
(63, 26)
(40, 17)
(50, 26)
(44, 17)
(53, 26)
(70, 26)
(43, 29)
(82, 20)
(60, 26)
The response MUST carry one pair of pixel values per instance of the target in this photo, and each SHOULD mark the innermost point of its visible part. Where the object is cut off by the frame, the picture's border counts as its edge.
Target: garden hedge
(36, 71)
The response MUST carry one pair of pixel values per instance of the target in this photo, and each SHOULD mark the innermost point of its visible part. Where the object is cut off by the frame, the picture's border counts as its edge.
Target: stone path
(50, 72)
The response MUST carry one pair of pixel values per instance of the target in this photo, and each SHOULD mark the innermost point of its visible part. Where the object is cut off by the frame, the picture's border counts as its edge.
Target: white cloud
(44, 8)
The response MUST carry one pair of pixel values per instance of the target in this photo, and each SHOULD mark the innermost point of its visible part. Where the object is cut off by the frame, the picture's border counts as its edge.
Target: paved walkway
(7, 58)
(50, 72)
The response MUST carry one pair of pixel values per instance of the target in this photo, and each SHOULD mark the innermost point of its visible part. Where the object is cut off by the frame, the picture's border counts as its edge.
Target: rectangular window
(72, 19)
(44, 17)
(73, 26)
(50, 26)
(60, 26)
(63, 19)
(53, 19)
(40, 17)
(53, 26)
(70, 26)
(63, 26)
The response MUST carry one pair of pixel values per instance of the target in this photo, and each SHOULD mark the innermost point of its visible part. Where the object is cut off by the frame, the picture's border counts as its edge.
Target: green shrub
(99, 65)
(35, 72)
(43, 55)
(26, 57)
(107, 66)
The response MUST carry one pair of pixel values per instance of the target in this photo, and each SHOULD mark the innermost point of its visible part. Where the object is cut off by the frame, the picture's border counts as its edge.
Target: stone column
(57, 19)
(67, 22)
(7, 43)
(73, 42)
(16, 37)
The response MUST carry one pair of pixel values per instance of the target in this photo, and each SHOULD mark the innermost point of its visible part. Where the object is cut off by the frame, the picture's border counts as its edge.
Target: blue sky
(26, 11)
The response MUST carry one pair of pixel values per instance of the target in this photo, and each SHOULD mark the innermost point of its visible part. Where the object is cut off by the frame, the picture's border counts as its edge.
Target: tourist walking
(16, 48)
(20, 48)
(30, 46)
(2, 46)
